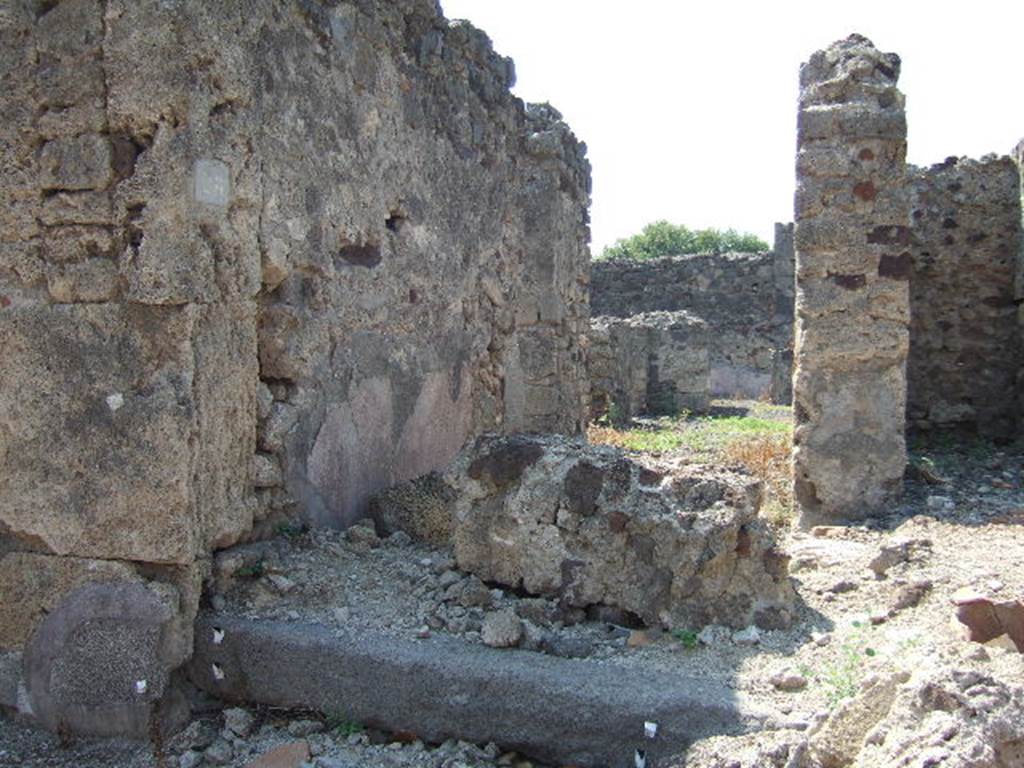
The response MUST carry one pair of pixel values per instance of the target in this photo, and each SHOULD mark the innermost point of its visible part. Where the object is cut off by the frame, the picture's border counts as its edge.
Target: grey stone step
(562, 711)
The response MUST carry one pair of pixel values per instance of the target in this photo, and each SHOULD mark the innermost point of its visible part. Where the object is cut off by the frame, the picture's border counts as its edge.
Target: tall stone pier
(853, 264)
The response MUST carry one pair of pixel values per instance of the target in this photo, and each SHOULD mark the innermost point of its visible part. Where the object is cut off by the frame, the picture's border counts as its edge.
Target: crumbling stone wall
(964, 333)
(652, 363)
(853, 265)
(747, 298)
(446, 297)
(254, 259)
(1018, 290)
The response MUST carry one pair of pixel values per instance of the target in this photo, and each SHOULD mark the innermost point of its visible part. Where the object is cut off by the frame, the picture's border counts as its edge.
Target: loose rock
(502, 629)
(788, 680)
(238, 721)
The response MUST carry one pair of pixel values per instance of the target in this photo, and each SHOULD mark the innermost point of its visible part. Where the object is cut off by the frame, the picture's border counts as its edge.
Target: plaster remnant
(211, 183)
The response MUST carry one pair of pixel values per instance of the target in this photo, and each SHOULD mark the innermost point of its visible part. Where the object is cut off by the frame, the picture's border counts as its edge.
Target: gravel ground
(961, 524)
(237, 737)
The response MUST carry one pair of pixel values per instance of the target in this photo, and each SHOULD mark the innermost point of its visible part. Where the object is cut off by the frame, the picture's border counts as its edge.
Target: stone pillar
(852, 242)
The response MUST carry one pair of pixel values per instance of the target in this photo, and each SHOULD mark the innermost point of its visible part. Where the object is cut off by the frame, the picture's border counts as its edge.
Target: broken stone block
(837, 742)
(559, 518)
(266, 471)
(910, 595)
(281, 419)
(363, 533)
(290, 755)
(985, 619)
(788, 680)
(502, 629)
(887, 557)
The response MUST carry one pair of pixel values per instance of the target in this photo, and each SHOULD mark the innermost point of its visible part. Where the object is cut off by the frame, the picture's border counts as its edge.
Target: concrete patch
(97, 664)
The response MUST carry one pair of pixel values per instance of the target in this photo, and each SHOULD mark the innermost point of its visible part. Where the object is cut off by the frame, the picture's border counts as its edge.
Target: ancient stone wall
(964, 333)
(1018, 291)
(747, 298)
(853, 265)
(255, 259)
(446, 297)
(653, 363)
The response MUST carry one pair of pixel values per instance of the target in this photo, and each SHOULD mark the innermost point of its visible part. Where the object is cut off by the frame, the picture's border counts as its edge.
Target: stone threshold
(556, 710)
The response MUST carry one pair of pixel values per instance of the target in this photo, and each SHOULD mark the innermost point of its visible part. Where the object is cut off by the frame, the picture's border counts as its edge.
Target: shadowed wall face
(853, 268)
(964, 333)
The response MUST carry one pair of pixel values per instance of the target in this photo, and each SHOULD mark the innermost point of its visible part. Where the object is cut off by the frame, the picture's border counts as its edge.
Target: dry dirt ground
(960, 525)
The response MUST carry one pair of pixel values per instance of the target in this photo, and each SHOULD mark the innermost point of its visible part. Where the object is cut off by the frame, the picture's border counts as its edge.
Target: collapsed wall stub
(853, 264)
(252, 279)
(964, 331)
(747, 299)
(588, 526)
(654, 363)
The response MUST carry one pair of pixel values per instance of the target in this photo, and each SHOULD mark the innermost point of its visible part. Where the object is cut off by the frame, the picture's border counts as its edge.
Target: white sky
(688, 109)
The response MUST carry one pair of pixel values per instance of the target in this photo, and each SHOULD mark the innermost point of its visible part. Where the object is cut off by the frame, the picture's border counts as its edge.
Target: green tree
(662, 238)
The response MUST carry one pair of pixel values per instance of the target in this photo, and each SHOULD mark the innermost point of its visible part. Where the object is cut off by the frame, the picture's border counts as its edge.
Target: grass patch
(842, 677)
(641, 440)
(766, 457)
(698, 434)
(756, 436)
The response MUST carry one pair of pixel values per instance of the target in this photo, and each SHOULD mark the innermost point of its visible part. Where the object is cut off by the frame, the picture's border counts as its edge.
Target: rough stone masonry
(588, 526)
(853, 264)
(745, 298)
(964, 334)
(654, 363)
(256, 260)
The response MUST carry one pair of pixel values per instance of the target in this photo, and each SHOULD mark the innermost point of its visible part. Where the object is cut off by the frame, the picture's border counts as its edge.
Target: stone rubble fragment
(985, 619)
(502, 629)
(558, 518)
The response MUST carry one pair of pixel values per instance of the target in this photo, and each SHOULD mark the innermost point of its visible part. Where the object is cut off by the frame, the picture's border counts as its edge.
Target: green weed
(686, 637)
(342, 726)
(289, 530)
(842, 677)
(253, 571)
